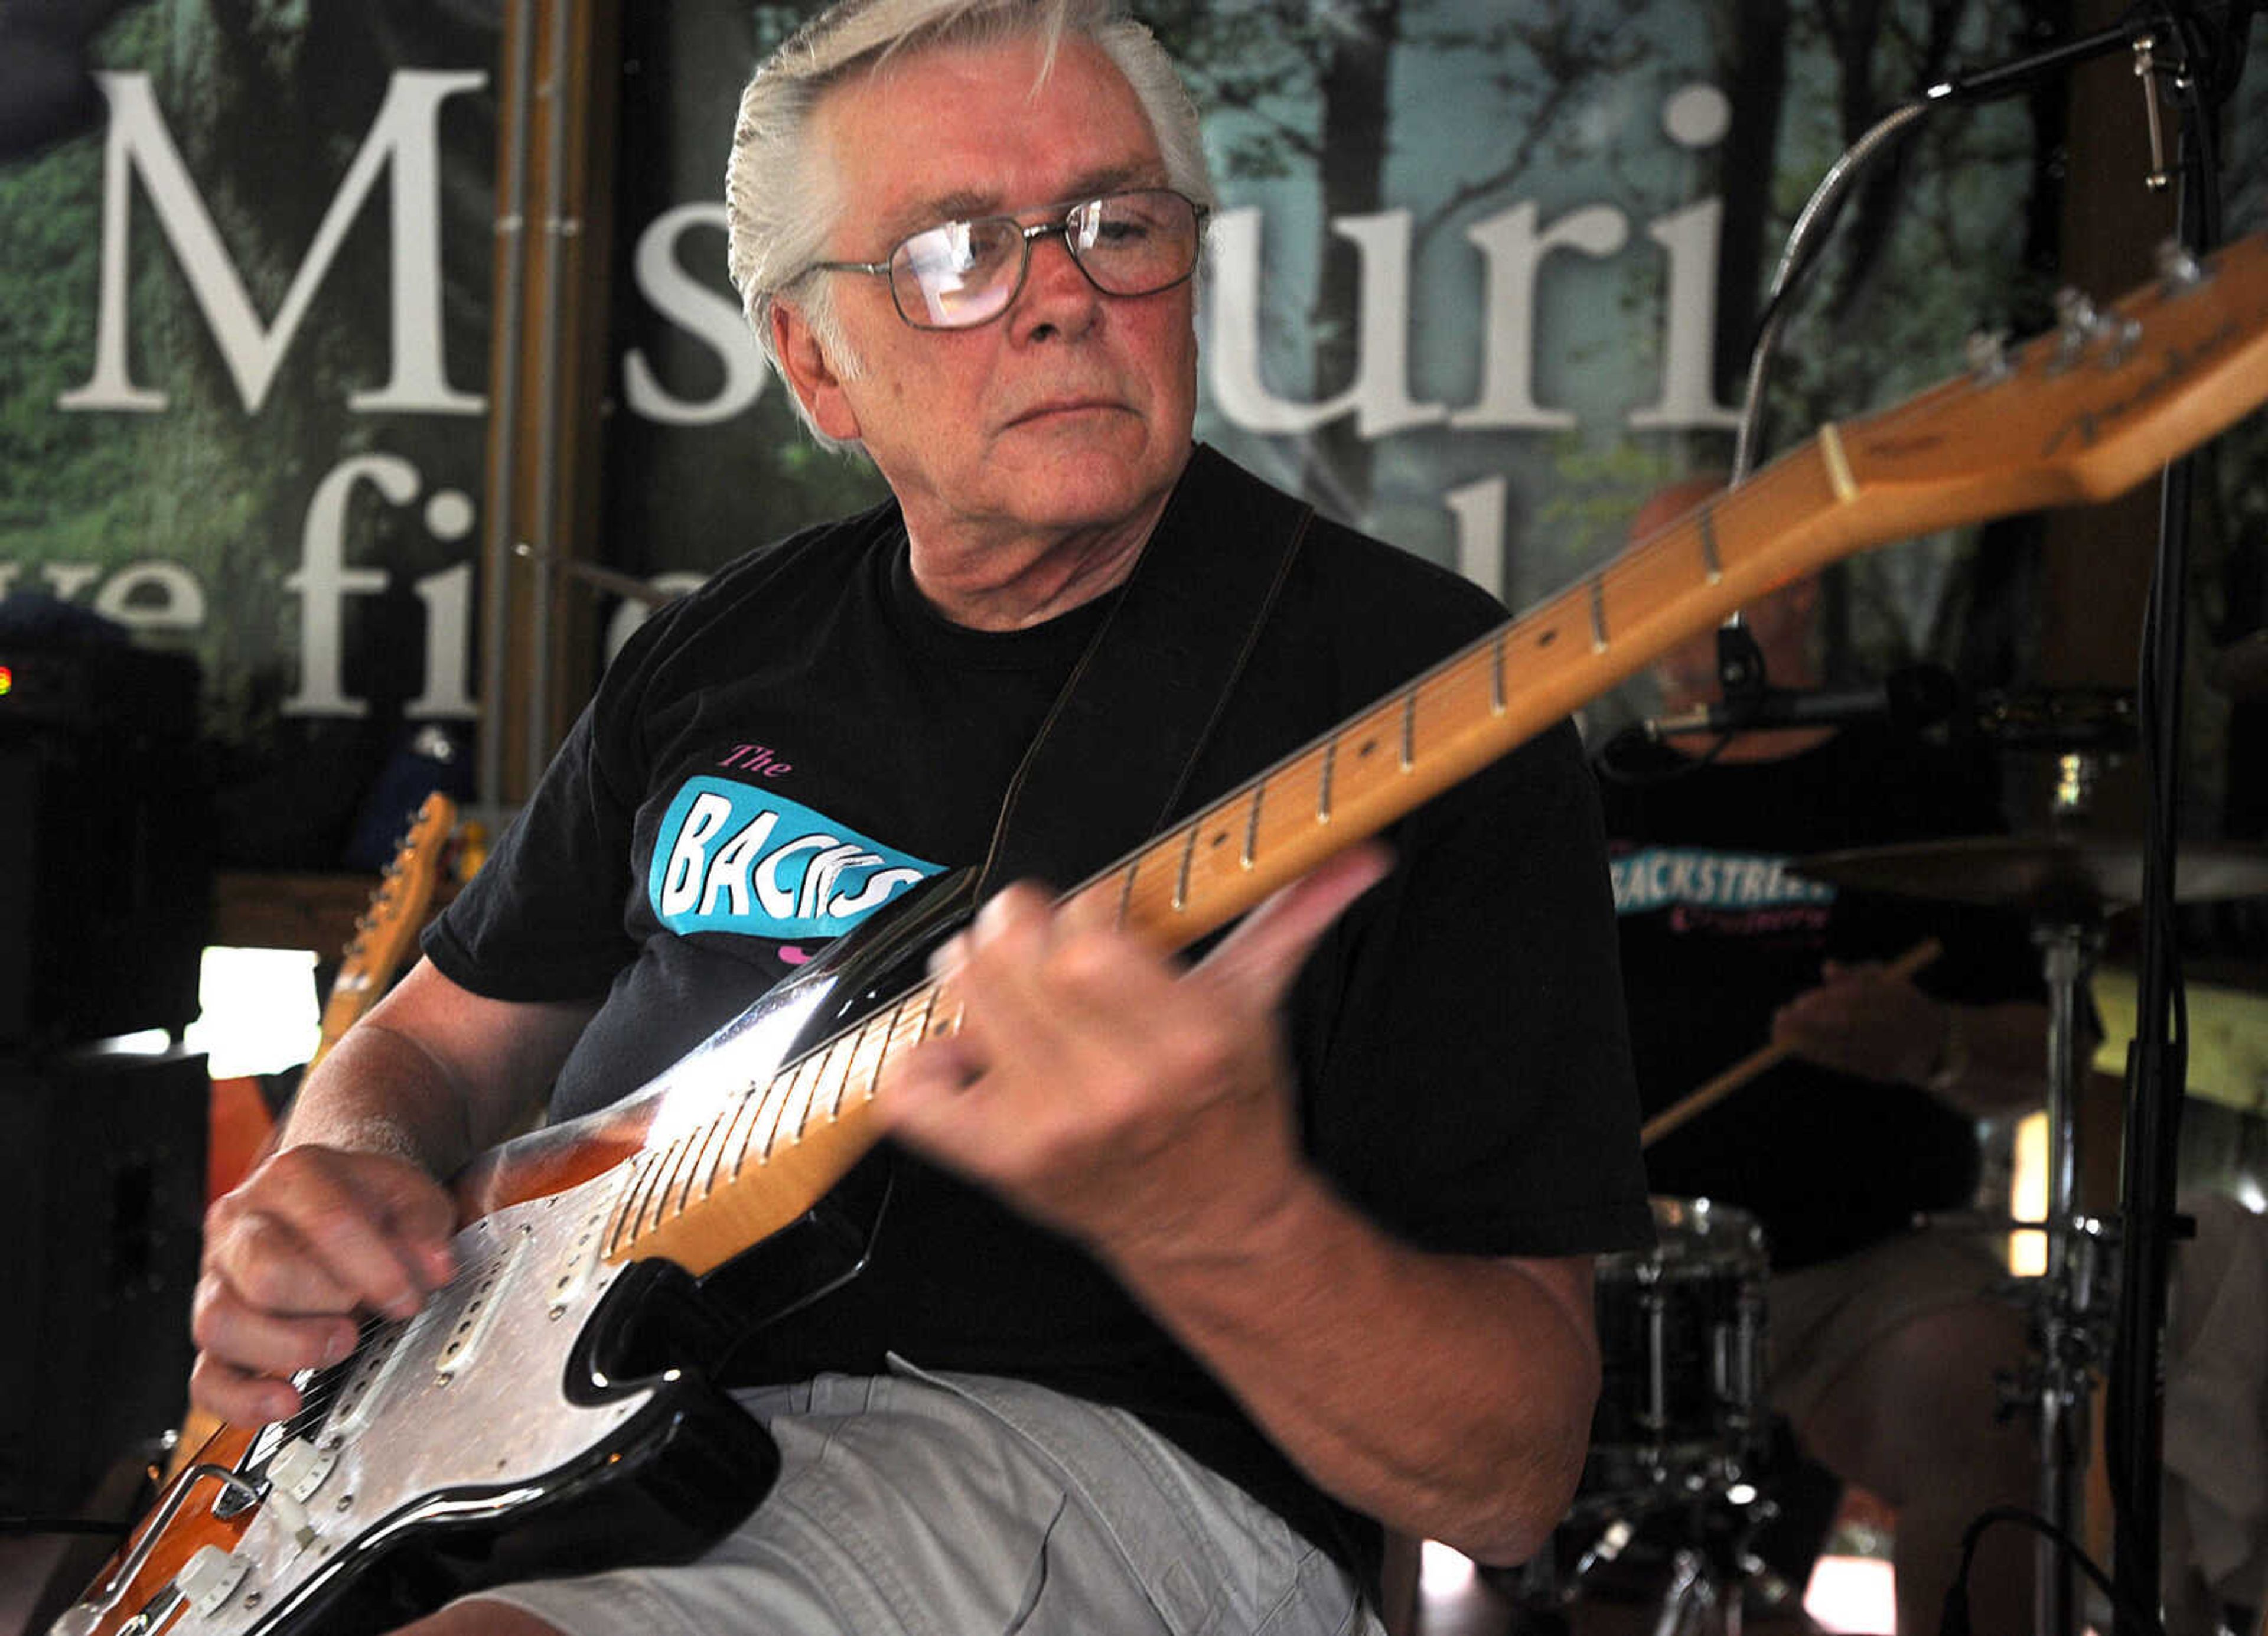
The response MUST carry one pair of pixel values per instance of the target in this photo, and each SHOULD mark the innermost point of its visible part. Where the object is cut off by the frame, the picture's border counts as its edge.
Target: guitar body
(527, 1422)
(549, 1412)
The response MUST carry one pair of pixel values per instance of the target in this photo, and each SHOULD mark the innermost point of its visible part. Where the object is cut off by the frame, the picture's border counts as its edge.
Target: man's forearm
(379, 1091)
(1449, 1397)
(435, 1074)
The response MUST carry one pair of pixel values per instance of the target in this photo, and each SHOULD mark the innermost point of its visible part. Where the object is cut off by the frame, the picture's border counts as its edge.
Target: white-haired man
(1191, 1275)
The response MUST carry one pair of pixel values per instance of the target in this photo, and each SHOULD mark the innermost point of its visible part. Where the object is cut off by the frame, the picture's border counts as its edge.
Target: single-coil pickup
(572, 1273)
(363, 1374)
(474, 1306)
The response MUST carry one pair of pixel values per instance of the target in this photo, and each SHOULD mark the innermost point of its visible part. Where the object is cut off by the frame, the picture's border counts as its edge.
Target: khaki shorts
(1820, 1319)
(913, 1504)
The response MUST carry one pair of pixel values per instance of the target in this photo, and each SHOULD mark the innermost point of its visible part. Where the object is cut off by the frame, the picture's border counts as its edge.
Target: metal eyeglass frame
(1060, 227)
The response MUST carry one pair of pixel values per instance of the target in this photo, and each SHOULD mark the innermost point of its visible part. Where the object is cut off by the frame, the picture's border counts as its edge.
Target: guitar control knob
(207, 1579)
(299, 1468)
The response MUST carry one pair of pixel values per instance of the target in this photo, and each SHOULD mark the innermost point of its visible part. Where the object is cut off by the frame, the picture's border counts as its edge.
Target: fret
(1409, 730)
(1496, 673)
(634, 1207)
(689, 1166)
(824, 1065)
(867, 1060)
(712, 1150)
(1706, 521)
(930, 996)
(800, 1079)
(642, 1196)
(618, 1224)
(730, 1118)
(752, 1101)
(1252, 825)
(658, 1205)
(1598, 584)
(850, 1045)
(1181, 878)
(1126, 888)
(769, 1110)
(913, 1021)
(906, 1029)
(1323, 787)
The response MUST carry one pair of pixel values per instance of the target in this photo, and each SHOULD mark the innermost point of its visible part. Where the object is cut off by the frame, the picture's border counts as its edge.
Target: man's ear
(811, 375)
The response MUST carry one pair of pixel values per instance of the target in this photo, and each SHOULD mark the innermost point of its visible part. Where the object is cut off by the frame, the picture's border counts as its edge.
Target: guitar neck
(709, 1191)
(2063, 422)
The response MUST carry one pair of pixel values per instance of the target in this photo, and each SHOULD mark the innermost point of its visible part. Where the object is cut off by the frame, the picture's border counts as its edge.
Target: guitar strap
(1123, 737)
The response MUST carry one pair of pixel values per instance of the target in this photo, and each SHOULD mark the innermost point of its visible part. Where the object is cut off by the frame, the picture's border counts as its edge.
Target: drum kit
(1682, 1451)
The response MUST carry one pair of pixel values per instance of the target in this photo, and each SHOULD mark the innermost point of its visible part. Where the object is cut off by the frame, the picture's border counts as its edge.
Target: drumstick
(1755, 1062)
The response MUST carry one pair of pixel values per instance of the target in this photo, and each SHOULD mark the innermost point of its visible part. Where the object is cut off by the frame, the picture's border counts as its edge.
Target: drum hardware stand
(1710, 1566)
(2071, 1314)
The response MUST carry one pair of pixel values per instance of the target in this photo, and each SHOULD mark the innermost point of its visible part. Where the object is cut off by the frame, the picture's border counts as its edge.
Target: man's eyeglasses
(959, 274)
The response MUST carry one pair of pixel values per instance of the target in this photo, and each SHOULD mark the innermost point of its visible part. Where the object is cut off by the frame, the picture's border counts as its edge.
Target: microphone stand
(2157, 1059)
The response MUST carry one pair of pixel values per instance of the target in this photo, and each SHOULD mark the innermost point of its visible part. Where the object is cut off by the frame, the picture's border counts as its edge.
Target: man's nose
(1057, 293)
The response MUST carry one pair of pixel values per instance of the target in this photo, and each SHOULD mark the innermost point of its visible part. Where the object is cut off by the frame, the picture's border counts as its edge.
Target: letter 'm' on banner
(406, 134)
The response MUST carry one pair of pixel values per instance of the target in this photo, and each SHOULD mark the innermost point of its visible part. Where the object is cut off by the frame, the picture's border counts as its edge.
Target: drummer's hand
(1867, 1021)
(313, 1237)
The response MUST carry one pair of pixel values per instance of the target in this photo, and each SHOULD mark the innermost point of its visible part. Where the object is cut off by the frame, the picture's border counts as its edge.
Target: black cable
(1740, 676)
(1956, 1619)
(1626, 741)
(63, 1525)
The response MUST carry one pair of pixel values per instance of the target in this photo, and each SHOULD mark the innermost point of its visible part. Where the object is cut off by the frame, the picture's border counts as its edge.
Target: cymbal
(2081, 875)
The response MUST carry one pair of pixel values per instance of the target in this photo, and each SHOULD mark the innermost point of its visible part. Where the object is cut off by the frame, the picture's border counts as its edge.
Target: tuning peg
(2126, 335)
(2079, 321)
(1987, 352)
(2074, 311)
(2178, 268)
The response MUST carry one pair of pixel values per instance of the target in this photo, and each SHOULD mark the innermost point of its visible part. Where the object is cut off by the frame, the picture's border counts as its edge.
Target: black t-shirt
(1717, 934)
(804, 739)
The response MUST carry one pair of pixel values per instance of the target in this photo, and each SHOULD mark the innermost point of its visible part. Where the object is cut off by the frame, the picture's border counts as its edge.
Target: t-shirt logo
(733, 858)
(1697, 877)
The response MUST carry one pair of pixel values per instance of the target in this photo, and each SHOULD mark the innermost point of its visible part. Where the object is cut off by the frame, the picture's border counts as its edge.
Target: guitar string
(1728, 510)
(784, 1128)
(1550, 613)
(1725, 508)
(324, 1388)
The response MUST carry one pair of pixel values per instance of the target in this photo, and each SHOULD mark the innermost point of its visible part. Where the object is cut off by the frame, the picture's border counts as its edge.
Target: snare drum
(1682, 1341)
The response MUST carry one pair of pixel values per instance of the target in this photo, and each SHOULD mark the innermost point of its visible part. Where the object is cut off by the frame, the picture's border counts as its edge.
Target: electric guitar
(387, 932)
(547, 1411)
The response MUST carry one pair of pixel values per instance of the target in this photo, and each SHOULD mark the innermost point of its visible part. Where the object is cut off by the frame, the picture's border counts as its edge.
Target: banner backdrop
(1484, 278)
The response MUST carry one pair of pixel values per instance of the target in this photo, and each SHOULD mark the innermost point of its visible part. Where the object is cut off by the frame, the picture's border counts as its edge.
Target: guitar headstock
(2082, 413)
(396, 910)
(387, 932)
